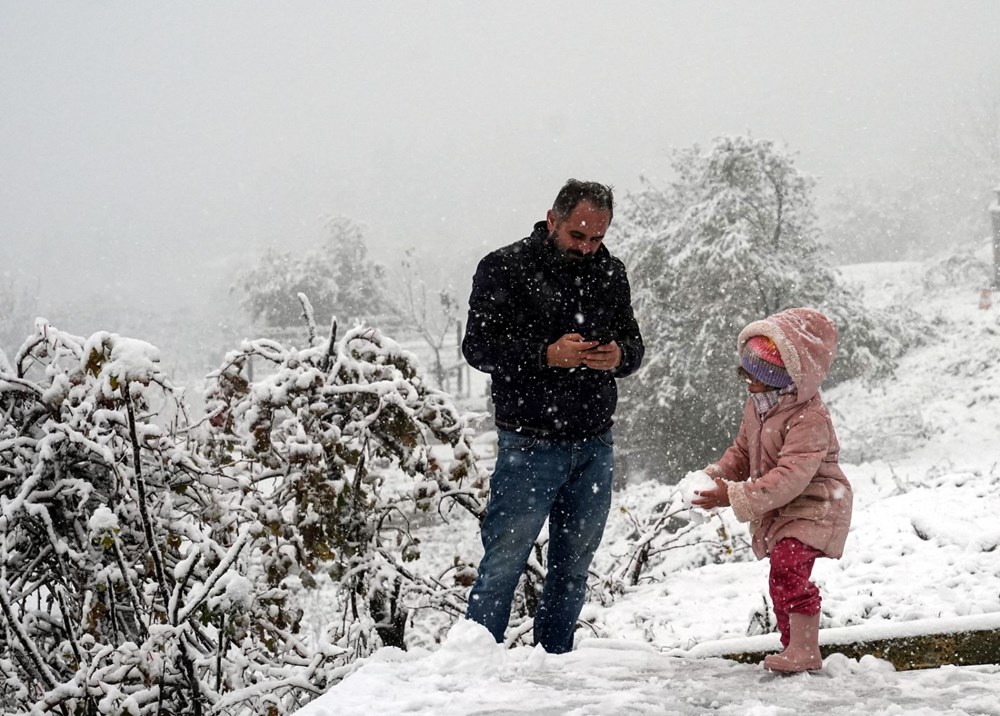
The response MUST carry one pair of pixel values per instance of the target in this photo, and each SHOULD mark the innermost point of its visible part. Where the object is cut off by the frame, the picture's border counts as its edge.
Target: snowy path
(470, 675)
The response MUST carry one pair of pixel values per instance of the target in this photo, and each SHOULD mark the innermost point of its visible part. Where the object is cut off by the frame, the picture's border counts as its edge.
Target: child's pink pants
(791, 591)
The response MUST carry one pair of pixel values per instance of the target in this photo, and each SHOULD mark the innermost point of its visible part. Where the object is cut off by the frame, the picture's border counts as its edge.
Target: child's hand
(716, 497)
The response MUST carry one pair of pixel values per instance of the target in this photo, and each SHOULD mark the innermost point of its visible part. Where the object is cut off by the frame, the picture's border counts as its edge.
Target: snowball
(692, 483)
(688, 487)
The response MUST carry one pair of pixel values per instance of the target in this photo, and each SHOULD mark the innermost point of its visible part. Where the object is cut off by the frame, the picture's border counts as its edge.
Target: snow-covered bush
(962, 268)
(148, 565)
(127, 573)
(338, 448)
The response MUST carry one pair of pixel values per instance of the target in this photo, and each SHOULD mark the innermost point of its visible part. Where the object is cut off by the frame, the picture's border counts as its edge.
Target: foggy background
(149, 151)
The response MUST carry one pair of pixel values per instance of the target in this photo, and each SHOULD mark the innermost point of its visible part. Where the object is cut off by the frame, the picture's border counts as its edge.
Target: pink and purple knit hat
(761, 359)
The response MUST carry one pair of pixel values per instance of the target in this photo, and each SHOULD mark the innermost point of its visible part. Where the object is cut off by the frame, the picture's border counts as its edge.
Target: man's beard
(569, 255)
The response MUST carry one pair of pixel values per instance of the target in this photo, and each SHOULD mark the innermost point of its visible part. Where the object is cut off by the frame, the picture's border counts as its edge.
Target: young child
(781, 473)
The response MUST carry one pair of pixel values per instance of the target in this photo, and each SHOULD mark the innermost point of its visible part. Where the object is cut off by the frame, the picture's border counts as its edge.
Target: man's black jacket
(525, 296)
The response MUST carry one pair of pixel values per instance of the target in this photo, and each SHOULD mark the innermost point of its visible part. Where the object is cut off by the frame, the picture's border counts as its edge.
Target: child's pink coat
(785, 478)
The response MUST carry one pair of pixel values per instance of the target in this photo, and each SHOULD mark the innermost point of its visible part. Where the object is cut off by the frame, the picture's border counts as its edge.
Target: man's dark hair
(574, 191)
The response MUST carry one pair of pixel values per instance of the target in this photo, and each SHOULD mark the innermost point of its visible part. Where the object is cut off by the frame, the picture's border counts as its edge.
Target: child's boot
(802, 652)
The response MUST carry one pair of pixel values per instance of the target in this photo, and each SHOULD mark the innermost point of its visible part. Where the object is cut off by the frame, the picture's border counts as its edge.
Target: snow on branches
(146, 564)
(338, 446)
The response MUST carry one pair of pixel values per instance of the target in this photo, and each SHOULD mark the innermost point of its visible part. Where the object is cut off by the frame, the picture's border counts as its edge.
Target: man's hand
(570, 351)
(603, 356)
(718, 496)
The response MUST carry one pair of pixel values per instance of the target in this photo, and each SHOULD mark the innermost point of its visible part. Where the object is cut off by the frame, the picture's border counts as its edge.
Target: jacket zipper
(760, 441)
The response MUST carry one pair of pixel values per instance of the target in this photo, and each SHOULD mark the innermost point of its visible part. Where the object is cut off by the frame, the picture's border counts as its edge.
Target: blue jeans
(567, 481)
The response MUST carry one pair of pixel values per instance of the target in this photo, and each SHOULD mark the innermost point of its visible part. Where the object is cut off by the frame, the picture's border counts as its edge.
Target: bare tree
(433, 314)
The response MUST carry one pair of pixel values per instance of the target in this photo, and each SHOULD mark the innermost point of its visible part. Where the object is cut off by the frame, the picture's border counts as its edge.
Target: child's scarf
(764, 401)
(769, 398)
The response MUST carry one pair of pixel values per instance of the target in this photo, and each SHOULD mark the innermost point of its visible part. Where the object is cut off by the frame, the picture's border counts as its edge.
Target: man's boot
(802, 653)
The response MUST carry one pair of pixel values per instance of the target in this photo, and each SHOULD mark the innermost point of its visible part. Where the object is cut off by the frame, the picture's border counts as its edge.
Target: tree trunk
(390, 619)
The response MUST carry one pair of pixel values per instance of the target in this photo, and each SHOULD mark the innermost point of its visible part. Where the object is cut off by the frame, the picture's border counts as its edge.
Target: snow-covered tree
(340, 446)
(734, 239)
(338, 277)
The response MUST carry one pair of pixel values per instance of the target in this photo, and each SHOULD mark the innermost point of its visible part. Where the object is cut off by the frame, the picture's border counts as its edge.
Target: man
(550, 319)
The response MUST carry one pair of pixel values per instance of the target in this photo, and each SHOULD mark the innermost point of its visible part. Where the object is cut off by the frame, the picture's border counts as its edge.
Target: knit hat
(761, 359)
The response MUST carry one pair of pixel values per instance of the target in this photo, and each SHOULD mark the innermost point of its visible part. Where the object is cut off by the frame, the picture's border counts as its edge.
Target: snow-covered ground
(470, 674)
(923, 454)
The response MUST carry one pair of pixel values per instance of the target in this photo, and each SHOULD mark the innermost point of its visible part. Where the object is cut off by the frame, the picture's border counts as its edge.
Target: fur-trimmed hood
(806, 340)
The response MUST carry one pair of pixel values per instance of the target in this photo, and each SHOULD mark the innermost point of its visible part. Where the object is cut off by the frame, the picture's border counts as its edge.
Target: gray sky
(144, 147)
